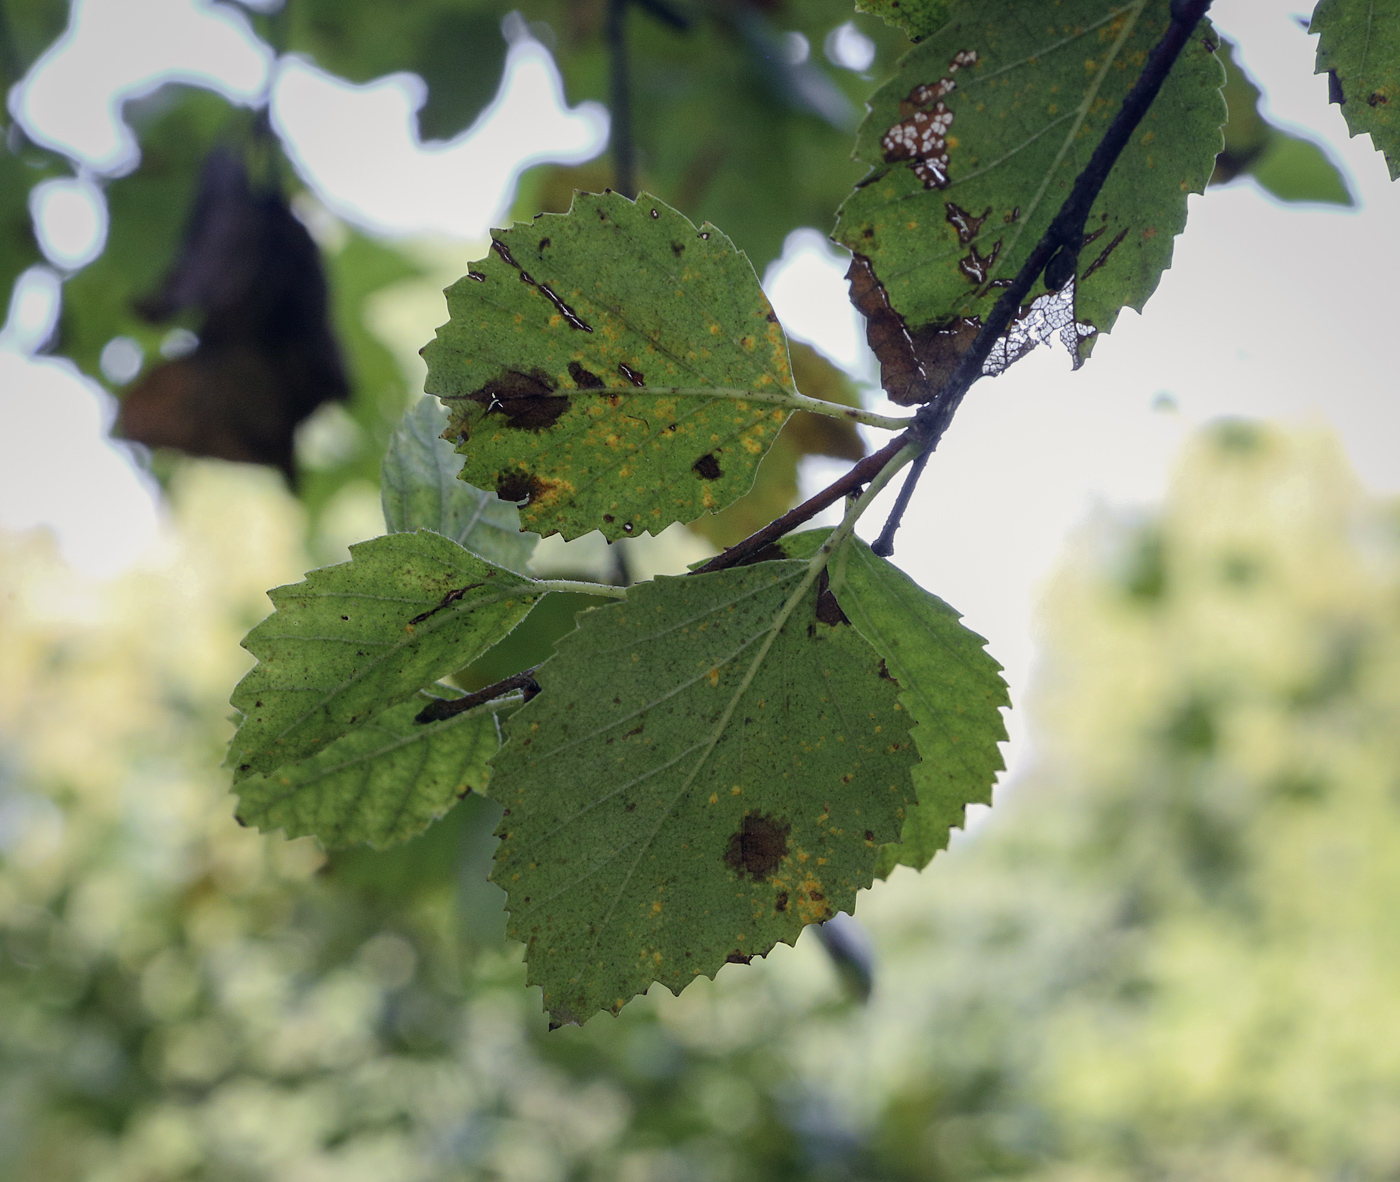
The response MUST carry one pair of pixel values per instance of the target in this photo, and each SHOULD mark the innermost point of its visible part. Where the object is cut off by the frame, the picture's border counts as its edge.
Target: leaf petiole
(607, 590)
(789, 398)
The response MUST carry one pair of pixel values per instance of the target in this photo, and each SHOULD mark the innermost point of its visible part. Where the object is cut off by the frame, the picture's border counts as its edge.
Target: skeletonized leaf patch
(974, 145)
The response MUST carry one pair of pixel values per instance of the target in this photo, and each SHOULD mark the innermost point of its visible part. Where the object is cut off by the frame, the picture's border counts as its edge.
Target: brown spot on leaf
(526, 400)
(781, 902)
(885, 672)
(759, 846)
(940, 347)
(963, 222)
(519, 487)
(583, 378)
(706, 467)
(869, 835)
(1376, 99)
(632, 375)
(446, 601)
(900, 372)
(737, 957)
(975, 266)
(543, 243)
(677, 248)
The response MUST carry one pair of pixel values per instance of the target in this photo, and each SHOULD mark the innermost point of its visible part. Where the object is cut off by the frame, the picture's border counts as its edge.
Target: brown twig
(442, 709)
(858, 475)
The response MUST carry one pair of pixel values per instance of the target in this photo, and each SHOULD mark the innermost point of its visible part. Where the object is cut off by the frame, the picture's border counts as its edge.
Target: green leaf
(567, 353)
(1024, 101)
(680, 794)
(359, 637)
(918, 18)
(774, 489)
(420, 490)
(1286, 166)
(29, 28)
(1359, 47)
(950, 685)
(380, 783)
(1292, 168)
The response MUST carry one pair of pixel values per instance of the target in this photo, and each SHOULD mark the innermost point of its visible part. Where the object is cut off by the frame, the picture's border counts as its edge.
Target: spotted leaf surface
(976, 142)
(950, 686)
(420, 490)
(357, 638)
(596, 365)
(677, 797)
(1359, 48)
(381, 783)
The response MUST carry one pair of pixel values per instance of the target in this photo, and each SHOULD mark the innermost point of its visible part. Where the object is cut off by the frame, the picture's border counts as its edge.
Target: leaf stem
(788, 398)
(608, 590)
(1056, 253)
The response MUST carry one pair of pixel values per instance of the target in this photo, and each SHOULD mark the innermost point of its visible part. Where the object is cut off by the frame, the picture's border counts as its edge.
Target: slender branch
(441, 709)
(884, 544)
(869, 467)
(1056, 253)
(624, 164)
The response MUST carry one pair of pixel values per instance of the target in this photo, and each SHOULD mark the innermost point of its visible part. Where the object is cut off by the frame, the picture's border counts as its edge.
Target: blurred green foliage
(1287, 166)
(1170, 953)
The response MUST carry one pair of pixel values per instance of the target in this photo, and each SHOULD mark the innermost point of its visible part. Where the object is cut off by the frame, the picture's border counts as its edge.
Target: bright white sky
(1274, 311)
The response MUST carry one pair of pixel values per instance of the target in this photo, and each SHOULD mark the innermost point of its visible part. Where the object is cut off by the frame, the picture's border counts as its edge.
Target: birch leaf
(612, 368)
(420, 490)
(354, 639)
(683, 793)
(977, 140)
(380, 783)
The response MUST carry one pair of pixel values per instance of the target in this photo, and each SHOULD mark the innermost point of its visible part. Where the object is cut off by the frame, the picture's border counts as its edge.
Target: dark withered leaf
(266, 356)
